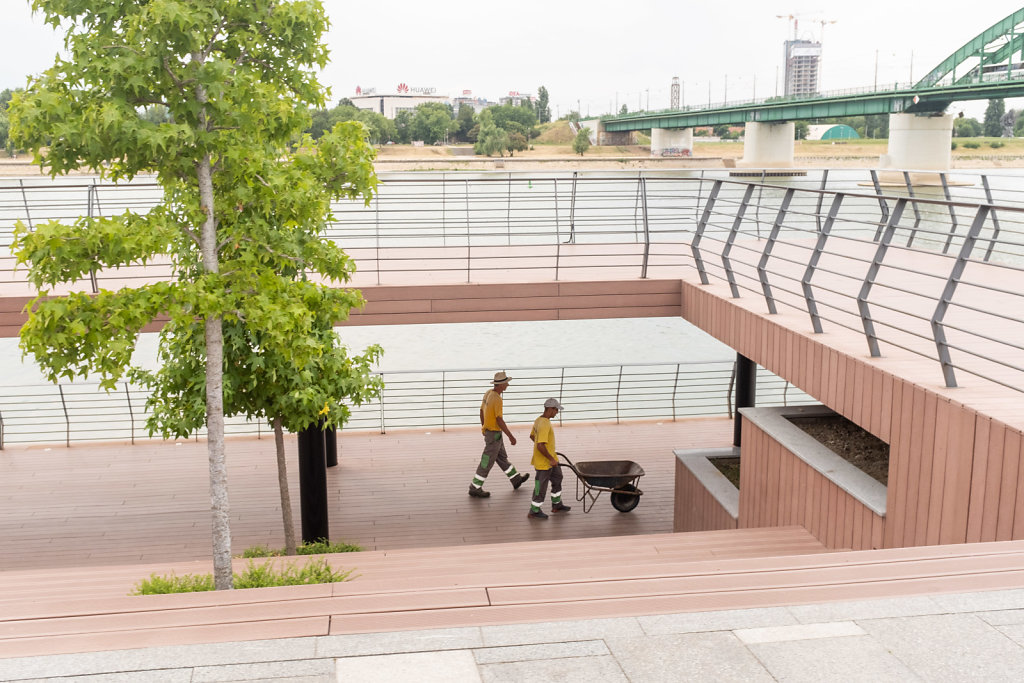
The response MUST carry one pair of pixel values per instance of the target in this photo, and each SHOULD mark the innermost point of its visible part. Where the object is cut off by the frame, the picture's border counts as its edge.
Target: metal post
(381, 399)
(913, 203)
(746, 392)
(508, 210)
(823, 232)
(1, 431)
(821, 198)
(67, 420)
(131, 414)
(636, 207)
(733, 232)
(992, 215)
(572, 211)
(469, 237)
(618, 389)
(955, 274)
(647, 231)
(442, 400)
(952, 214)
(699, 233)
(869, 278)
(376, 232)
(92, 270)
(675, 387)
(444, 208)
(313, 484)
(762, 271)
(24, 200)
(882, 204)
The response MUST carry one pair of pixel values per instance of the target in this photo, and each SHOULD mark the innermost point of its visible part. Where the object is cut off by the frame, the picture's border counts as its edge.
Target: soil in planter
(855, 445)
(730, 467)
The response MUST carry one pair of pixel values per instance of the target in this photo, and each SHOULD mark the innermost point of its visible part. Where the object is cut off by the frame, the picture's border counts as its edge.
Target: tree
(5, 98)
(623, 110)
(800, 130)
(993, 127)
(239, 218)
(582, 141)
(403, 126)
(516, 143)
(490, 138)
(543, 110)
(507, 113)
(431, 122)
(967, 127)
(721, 129)
(4, 128)
(465, 122)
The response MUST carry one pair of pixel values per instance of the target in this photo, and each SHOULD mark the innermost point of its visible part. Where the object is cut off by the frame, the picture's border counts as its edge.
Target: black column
(313, 484)
(331, 444)
(746, 392)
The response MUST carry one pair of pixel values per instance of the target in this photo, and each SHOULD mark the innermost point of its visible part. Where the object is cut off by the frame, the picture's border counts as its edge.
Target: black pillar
(331, 444)
(746, 392)
(313, 484)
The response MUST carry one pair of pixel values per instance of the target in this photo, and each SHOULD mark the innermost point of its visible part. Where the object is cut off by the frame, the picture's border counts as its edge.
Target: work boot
(519, 480)
(539, 514)
(559, 507)
(479, 493)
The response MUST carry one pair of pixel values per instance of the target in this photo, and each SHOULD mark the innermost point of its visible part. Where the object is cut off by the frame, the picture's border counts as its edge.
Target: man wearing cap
(494, 448)
(545, 461)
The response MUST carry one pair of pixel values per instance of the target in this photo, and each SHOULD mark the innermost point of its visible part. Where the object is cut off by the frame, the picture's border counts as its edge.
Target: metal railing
(931, 263)
(426, 399)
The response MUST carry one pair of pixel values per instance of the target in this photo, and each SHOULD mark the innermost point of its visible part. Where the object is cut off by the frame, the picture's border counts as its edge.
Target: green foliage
(993, 126)
(970, 144)
(317, 548)
(490, 139)
(403, 126)
(720, 130)
(581, 143)
(255, 575)
(465, 122)
(431, 122)
(543, 108)
(800, 130)
(1018, 127)
(952, 145)
(623, 110)
(5, 126)
(506, 114)
(995, 144)
(516, 143)
(967, 128)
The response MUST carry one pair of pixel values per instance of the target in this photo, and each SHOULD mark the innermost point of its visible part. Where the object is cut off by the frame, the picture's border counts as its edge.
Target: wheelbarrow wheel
(624, 499)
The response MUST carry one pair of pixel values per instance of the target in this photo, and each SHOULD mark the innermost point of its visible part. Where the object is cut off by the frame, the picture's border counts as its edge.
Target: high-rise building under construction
(803, 60)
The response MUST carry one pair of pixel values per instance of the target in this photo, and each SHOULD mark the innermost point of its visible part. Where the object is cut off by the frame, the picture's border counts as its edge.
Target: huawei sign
(403, 88)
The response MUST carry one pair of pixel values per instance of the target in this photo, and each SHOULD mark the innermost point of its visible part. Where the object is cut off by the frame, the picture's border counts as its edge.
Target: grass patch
(255, 576)
(317, 548)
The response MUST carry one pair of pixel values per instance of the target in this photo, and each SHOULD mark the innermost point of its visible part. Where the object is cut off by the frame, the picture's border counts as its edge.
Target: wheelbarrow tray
(609, 474)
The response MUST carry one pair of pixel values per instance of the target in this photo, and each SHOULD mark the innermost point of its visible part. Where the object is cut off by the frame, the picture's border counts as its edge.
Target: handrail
(435, 399)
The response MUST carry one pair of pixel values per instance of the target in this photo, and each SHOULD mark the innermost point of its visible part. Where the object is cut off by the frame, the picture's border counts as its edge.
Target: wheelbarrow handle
(568, 463)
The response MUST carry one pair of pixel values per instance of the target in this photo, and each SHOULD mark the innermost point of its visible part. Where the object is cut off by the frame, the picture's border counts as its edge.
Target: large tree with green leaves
(543, 108)
(240, 218)
(490, 138)
(993, 118)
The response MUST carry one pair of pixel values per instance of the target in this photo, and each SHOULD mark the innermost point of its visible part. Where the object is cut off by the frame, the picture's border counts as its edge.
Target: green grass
(255, 576)
(317, 548)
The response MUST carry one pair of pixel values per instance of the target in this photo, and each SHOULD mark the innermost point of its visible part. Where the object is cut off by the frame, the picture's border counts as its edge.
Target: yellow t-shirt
(544, 433)
(491, 406)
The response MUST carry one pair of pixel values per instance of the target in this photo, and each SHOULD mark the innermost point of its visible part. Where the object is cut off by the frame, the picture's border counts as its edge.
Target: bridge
(989, 66)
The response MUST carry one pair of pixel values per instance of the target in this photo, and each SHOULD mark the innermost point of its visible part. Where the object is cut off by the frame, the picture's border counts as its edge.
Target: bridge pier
(671, 142)
(768, 145)
(920, 143)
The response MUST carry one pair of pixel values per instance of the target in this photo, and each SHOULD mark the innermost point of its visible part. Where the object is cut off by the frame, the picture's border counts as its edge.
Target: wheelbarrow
(618, 477)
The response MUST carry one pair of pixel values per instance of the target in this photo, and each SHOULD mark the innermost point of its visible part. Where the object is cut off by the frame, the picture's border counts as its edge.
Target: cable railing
(424, 399)
(930, 263)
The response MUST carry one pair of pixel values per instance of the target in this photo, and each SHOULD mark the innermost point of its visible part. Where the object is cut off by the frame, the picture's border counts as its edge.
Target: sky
(600, 55)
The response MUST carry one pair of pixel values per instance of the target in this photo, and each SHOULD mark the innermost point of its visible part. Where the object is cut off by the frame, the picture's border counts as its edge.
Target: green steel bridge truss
(989, 66)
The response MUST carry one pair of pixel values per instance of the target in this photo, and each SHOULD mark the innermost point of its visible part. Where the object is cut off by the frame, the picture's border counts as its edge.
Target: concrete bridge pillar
(671, 142)
(768, 145)
(919, 143)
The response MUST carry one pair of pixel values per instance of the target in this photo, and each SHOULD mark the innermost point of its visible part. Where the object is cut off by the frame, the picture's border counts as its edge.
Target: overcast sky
(600, 54)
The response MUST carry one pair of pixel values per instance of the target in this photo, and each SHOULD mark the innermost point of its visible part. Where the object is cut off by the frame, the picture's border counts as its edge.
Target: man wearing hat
(494, 448)
(545, 461)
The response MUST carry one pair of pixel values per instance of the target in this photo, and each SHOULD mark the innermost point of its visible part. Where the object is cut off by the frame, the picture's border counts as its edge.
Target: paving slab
(913, 606)
(725, 620)
(775, 634)
(453, 666)
(604, 669)
(687, 657)
(590, 629)
(850, 659)
(398, 642)
(553, 650)
(310, 668)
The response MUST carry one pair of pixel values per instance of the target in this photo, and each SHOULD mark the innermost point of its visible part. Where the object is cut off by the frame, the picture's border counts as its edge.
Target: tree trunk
(219, 507)
(282, 483)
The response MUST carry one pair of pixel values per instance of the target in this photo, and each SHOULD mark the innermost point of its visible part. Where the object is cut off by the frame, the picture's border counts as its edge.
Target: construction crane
(794, 19)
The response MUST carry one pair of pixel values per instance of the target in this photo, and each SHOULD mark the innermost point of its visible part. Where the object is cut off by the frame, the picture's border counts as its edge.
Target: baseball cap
(552, 403)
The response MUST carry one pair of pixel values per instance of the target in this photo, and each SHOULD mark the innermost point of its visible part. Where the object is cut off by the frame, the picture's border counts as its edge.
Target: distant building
(466, 98)
(803, 60)
(389, 104)
(516, 98)
(831, 131)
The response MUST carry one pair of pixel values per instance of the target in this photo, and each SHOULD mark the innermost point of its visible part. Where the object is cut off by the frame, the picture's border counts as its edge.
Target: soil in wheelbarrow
(847, 440)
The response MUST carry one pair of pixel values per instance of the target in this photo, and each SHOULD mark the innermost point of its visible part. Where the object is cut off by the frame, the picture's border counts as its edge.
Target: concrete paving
(948, 637)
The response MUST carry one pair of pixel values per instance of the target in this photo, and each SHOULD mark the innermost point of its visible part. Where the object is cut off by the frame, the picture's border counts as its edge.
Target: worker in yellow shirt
(493, 426)
(545, 461)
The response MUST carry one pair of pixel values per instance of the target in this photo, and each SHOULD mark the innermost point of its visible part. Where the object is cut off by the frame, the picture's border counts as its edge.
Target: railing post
(636, 207)
(508, 211)
(24, 200)
(1, 431)
(675, 387)
(442, 400)
(823, 232)
(469, 238)
(917, 209)
(733, 233)
(572, 211)
(381, 400)
(821, 198)
(952, 214)
(67, 419)
(618, 390)
(882, 204)
(869, 278)
(992, 215)
(92, 271)
(699, 233)
(647, 231)
(131, 414)
(444, 210)
(762, 271)
(376, 231)
(938, 331)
